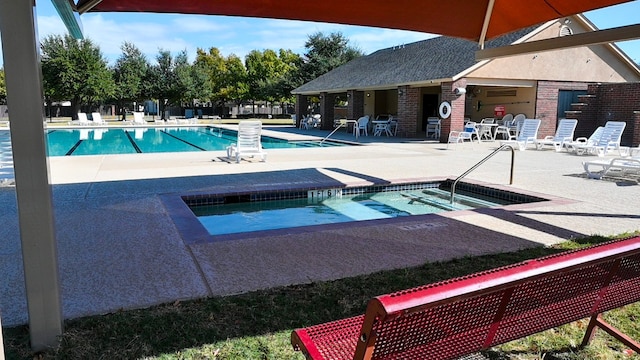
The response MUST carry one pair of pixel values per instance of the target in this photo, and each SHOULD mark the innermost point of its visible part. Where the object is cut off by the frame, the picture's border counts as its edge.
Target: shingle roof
(436, 58)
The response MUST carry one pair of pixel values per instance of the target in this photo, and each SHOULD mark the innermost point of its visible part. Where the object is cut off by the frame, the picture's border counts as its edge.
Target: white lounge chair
(590, 141)
(138, 118)
(527, 135)
(82, 120)
(249, 142)
(564, 134)
(615, 167)
(608, 141)
(97, 119)
(469, 131)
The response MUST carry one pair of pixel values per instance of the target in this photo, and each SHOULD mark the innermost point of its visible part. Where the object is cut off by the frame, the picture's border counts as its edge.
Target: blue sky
(151, 32)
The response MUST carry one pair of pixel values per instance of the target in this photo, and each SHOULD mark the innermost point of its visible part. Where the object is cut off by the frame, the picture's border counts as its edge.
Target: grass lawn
(257, 325)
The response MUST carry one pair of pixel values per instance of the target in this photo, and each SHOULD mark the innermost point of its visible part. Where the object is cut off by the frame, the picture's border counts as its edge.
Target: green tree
(164, 78)
(130, 75)
(75, 70)
(235, 86)
(266, 71)
(284, 83)
(325, 53)
(3, 88)
(193, 80)
(212, 63)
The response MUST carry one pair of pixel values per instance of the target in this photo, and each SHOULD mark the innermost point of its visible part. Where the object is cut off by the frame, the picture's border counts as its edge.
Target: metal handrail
(334, 130)
(513, 154)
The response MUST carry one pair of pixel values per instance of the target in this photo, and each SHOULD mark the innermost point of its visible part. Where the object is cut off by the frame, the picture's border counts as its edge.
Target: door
(429, 108)
(565, 99)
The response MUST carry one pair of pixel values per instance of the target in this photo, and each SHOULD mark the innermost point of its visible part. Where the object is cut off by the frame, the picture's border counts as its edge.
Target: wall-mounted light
(348, 95)
(400, 92)
(567, 21)
(459, 91)
(368, 94)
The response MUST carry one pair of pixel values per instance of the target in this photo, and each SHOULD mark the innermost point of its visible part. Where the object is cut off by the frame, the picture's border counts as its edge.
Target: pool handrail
(503, 146)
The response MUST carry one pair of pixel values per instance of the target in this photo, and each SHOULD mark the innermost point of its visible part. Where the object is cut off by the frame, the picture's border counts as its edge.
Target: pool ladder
(503, 146)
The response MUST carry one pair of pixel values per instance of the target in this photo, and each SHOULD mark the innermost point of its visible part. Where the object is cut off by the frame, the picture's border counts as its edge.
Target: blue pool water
(103, 141)
(289, 213)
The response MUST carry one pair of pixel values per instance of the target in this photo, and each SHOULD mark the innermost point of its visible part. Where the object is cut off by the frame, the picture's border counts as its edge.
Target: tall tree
(130, 75)
(165, 81)
(212, 63)
(192, 80)
(3, 88)
(265, 70)
(75, 70)
(325, 53)
(235, 86)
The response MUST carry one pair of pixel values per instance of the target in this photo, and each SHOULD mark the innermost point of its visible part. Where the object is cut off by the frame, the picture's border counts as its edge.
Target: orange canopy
(459, 18)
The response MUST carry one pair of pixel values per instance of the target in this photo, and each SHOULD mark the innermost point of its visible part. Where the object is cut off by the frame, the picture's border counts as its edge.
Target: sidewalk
(119, 247)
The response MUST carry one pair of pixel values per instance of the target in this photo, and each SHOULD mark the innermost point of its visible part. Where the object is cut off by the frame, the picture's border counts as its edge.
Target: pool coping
(192, 232)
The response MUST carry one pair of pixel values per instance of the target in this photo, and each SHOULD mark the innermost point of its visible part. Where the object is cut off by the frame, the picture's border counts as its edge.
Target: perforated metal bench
(461, 316)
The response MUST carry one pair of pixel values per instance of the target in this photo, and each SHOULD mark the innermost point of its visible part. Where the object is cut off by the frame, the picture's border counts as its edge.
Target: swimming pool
(131, 140)
(259, 212)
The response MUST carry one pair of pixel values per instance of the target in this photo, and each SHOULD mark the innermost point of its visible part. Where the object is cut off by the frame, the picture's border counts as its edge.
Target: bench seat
(461, 316)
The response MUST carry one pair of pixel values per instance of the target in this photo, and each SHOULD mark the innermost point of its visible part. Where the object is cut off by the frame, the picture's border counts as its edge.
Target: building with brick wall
(411, 81)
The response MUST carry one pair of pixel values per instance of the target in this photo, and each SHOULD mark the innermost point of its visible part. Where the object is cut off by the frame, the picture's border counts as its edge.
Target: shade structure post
(33, 190)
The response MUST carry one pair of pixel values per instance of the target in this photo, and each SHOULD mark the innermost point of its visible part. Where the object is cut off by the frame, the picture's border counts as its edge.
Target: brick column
(355, 109)
(302, 105)
(455, 121)
(408, 104)
(327, 102)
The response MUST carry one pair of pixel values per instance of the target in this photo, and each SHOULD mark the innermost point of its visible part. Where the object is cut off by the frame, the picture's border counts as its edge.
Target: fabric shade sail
(476, 20)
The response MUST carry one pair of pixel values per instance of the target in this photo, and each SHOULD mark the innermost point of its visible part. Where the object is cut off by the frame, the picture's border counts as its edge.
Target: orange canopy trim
(458, 18)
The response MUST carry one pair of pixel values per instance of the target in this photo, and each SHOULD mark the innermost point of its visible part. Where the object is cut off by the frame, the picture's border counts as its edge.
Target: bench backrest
(460, 316)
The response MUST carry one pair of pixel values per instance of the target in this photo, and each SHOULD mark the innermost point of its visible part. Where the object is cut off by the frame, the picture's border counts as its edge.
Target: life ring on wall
(445, 109)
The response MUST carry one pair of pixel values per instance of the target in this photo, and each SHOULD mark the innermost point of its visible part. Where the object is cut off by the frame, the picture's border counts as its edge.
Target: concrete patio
(120, 247)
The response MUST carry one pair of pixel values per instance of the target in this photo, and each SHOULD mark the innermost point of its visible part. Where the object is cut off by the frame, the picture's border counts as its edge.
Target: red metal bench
(461, 316)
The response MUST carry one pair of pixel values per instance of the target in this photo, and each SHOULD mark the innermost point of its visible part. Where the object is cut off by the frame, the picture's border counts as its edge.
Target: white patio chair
(527, 135)
(516, 124)
(393, 125)
(249, 142)
(433, 127)
(485, 128)
(564, 134)
(503, 129)
(316, 120)
(362, 125)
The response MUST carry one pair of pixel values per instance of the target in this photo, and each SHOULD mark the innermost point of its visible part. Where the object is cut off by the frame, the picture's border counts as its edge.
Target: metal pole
(35, 204)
